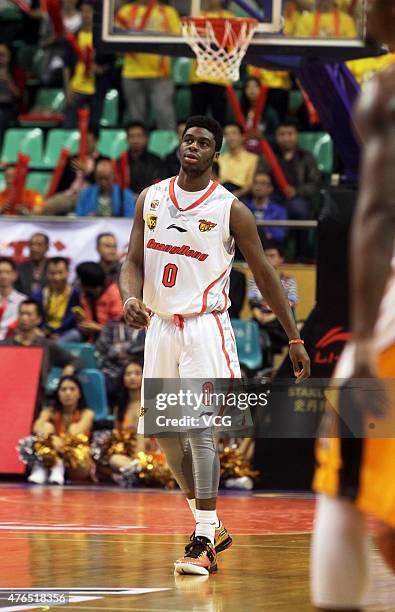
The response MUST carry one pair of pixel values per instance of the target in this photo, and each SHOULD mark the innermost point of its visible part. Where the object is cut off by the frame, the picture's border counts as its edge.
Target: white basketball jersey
(188, 249)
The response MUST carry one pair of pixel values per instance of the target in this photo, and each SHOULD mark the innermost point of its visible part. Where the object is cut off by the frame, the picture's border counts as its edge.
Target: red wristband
(296, 341)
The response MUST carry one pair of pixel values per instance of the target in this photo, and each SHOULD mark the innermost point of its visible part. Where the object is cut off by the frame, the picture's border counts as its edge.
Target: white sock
(192, 506)
(206, 522)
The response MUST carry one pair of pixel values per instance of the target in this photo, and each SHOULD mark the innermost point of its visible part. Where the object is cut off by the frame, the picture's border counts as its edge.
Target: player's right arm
(132, 271)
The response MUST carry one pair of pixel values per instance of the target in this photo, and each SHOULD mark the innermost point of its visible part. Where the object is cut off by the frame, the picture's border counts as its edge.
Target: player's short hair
(211, 125)
(58, 260)
(9, 261)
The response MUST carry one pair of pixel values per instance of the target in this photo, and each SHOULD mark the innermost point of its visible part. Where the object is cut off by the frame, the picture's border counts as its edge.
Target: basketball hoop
(219, 44)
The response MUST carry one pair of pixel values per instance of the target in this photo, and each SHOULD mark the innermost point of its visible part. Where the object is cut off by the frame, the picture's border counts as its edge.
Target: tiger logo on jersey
(152, 220)
(206, 226)
(154, 204)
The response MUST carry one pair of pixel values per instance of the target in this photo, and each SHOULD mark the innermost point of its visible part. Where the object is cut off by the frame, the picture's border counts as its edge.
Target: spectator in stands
(9, 92)
(146, 78)
(237, 166)
(105, 198)
(31, 202)
(172, 160)
(144, 168)
(18, 24)
(10, 298)
(209, 93)
(326, 21)
(129, 397)
(86, 77)
(53, 47)
(263, 206)
(72, 19)
(28, 332)
(279, 84)
(268, 121)
(101, 302)
(76, 175)
(58, 301)
(293, 11)
(107, 247)
(365, 68)
(116, 346)
(300, 169)
(127, 415)
(32, 273)
(69, 415)
(261, 311)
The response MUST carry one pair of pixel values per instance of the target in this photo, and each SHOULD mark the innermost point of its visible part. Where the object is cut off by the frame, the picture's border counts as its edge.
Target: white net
(219, 44)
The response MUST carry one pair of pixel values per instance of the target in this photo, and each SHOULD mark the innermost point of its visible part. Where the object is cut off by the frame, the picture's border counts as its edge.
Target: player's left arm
(243, 228)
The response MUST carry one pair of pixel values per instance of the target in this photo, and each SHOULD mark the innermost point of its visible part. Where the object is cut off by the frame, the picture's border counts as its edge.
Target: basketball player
(355, 477)
(178, 264)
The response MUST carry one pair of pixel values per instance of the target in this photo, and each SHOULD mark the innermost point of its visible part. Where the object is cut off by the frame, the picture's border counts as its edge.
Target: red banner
(20, 369)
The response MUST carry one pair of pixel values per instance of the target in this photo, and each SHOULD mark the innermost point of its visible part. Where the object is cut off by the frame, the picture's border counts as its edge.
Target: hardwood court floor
(86, 539)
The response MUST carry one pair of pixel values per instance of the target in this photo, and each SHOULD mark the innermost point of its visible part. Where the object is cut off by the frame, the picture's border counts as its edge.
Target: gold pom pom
(75, 451)
(45, 451)
(153, 470)
(234, 464)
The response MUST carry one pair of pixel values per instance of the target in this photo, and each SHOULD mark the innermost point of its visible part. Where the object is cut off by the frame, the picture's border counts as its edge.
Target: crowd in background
(91, 186)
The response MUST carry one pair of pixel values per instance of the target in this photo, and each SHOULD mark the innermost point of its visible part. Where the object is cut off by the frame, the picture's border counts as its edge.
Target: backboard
(310, 29)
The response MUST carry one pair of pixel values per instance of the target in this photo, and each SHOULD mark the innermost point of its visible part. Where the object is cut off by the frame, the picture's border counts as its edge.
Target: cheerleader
(120, 454)
(59, 445)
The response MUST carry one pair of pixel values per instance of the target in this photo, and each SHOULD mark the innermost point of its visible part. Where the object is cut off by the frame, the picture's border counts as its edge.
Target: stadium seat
(56, 141)
(25, 58)
(295, 101)
(162, 142)
(183, 103)
(54, 376)
(110, 111)
(83, 350)
(53, 99)
(28, 141)
(321, 146)
(94, 387)
(39, 181)
(112, 143)
(248, 343)
(181, 70)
